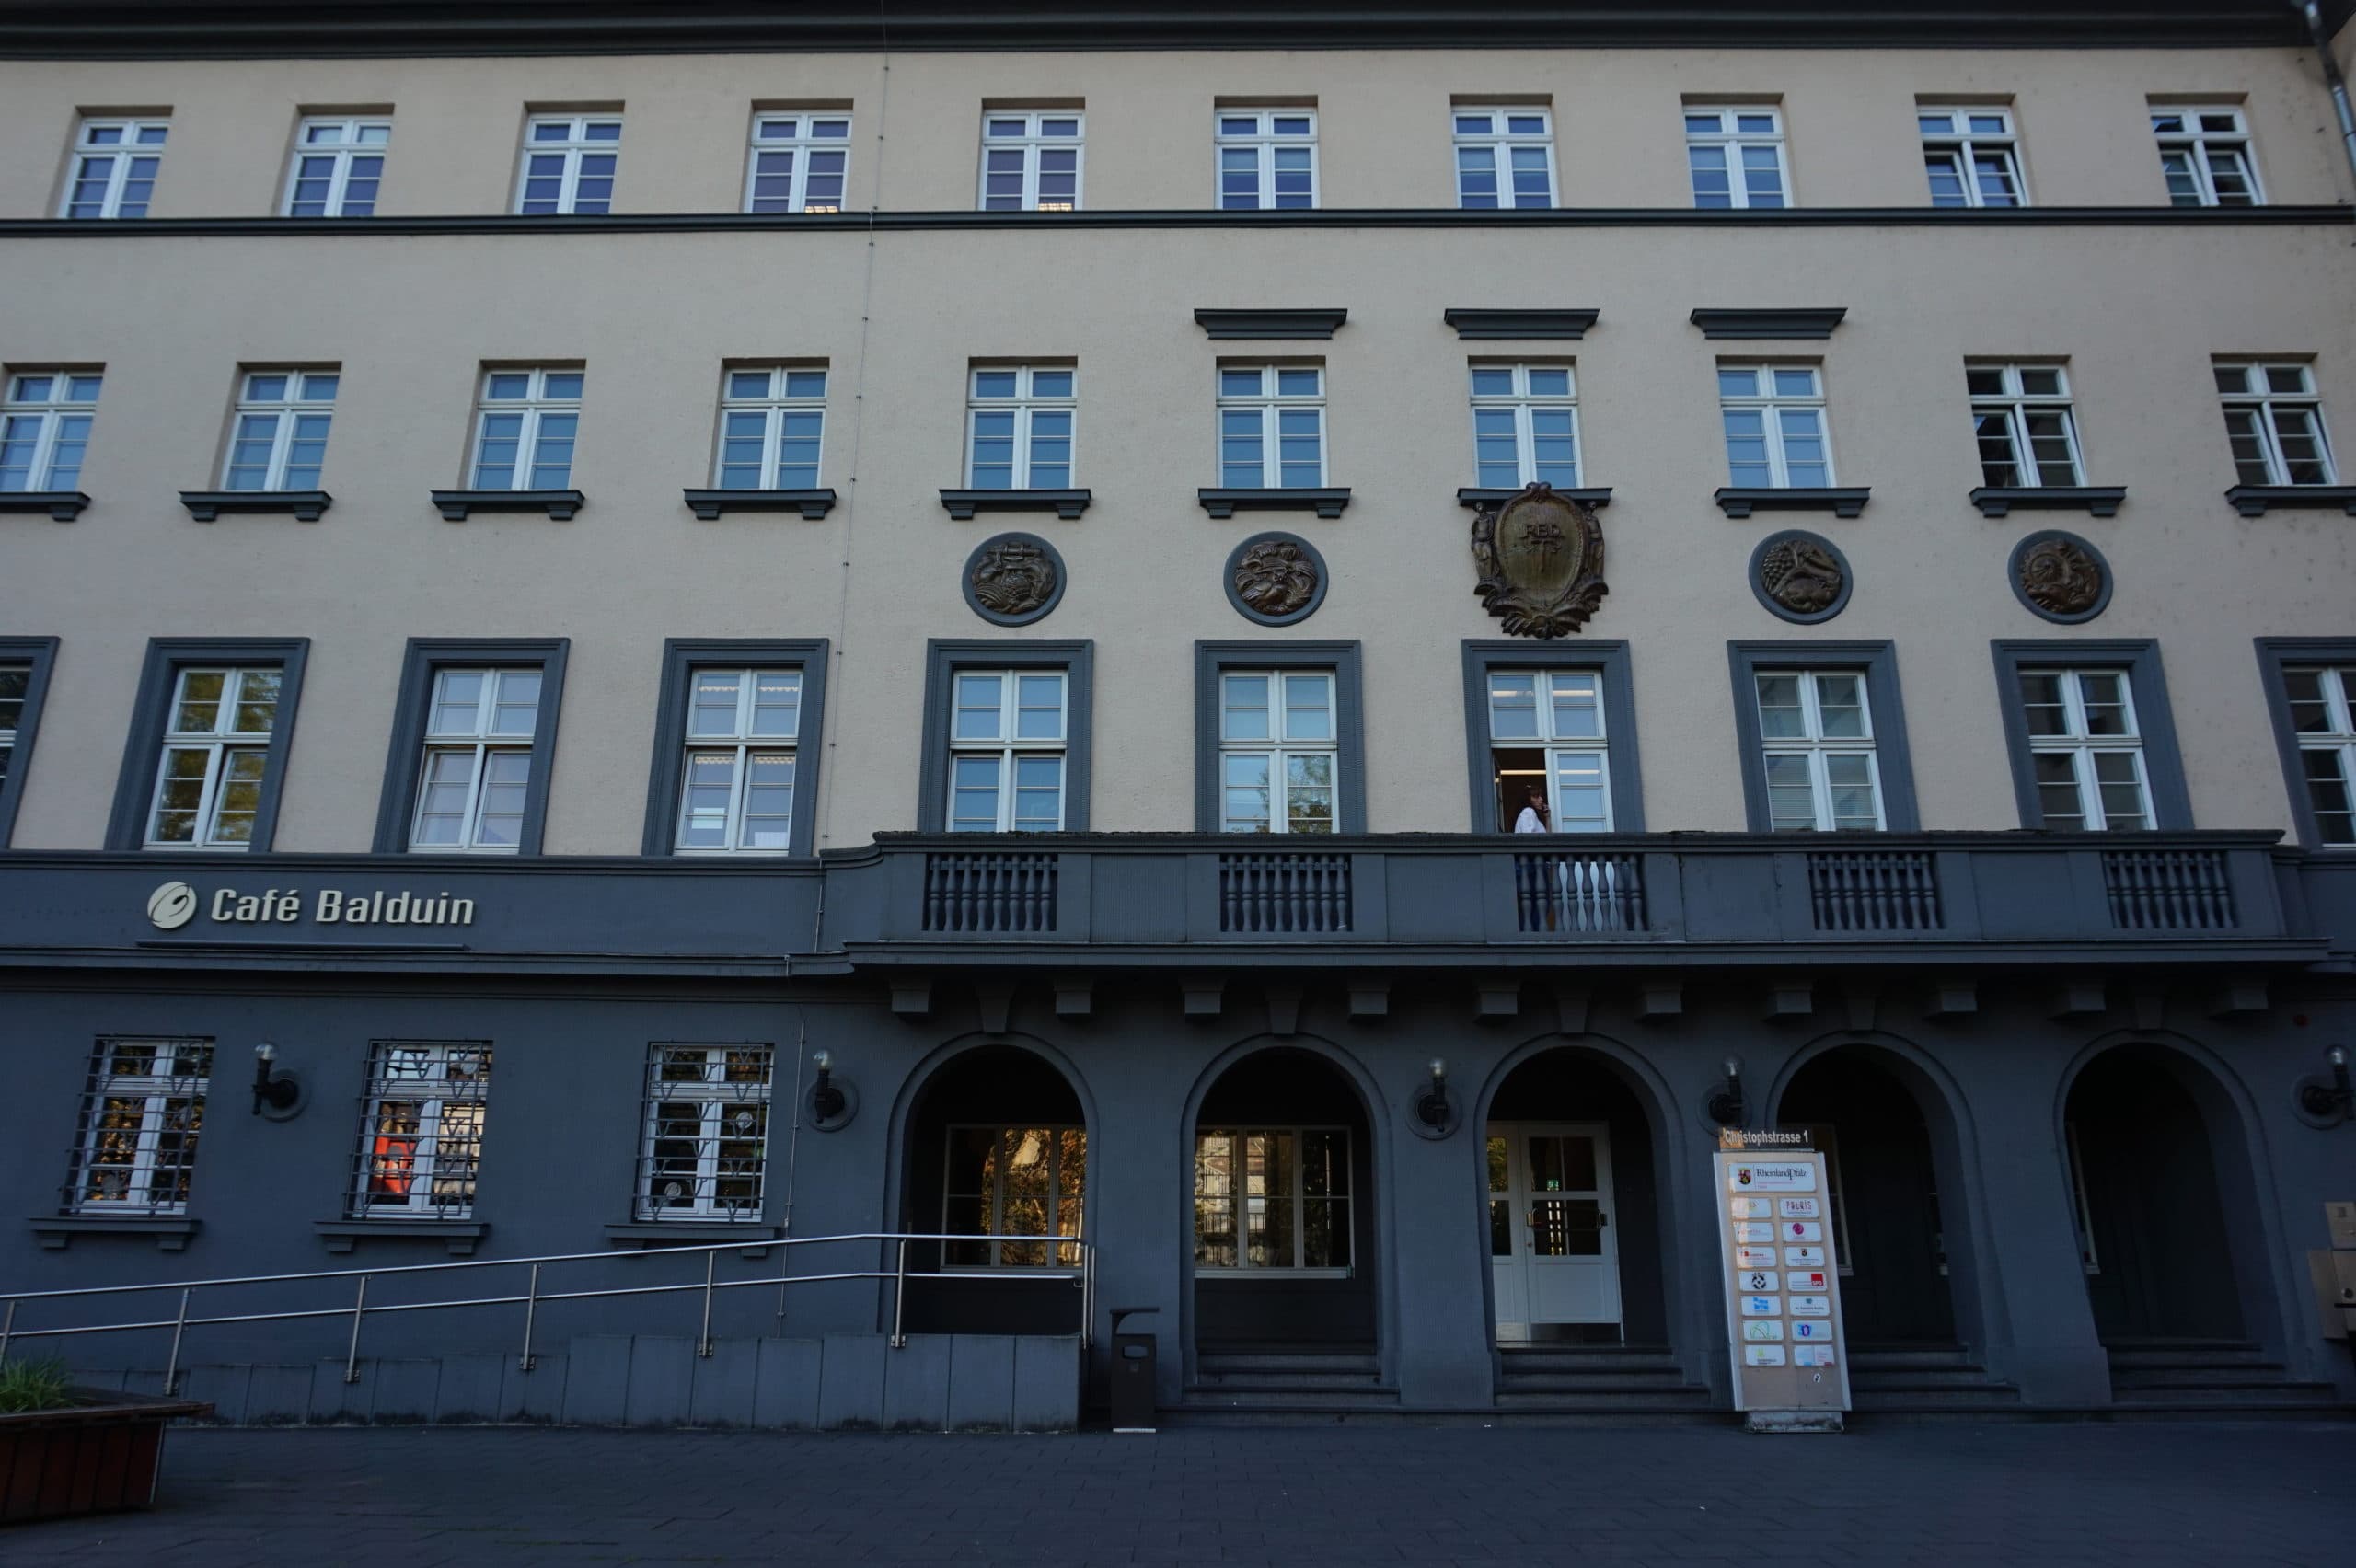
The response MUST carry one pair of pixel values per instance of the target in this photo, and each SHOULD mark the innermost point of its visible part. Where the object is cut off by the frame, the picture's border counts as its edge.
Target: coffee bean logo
(172, 906)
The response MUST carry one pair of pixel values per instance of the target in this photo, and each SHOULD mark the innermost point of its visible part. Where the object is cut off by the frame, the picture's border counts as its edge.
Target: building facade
(707, 625)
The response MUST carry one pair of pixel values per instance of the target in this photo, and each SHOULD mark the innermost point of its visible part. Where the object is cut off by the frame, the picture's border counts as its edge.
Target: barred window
(707, 1143)
(420, 1129)
(141, 1118)
(1015, 1183)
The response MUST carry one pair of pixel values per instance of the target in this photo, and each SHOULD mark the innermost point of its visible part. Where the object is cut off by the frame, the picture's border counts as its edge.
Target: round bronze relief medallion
(1800, 576)
(1275, 579)
(1014, 578)
(2059, 577)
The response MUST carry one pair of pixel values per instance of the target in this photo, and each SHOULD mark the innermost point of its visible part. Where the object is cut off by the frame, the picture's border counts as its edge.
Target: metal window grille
(706, 1149)
(142, 1114)
(420, 1129)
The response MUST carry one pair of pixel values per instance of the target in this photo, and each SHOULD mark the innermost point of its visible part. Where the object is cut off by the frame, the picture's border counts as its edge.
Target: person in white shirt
(1533, 815)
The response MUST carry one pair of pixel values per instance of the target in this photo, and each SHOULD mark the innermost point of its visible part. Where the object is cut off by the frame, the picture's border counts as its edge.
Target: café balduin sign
(176, 904)
(1539, 556)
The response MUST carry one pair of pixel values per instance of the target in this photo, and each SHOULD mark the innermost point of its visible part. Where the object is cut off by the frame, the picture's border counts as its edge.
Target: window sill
(1275, 1273)
(1737, 502)
(171, 1231)
(1228, 502)
(62, 505)
(460, 1235)
(709, 504)
(560, 504)
(2100, 501)
(648, 1235)
(1597, 497)
(2252, 501)
(1066, 503)
(306, 505)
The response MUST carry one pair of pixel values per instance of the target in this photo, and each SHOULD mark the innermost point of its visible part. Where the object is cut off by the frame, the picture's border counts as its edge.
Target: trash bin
(1135, 1358)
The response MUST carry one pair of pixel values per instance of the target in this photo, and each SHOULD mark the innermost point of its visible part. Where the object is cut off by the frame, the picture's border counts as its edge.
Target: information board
(1775, 1237)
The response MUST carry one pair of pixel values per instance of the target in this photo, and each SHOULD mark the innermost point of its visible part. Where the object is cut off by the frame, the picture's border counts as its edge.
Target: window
(2020, 415)
(478, 760)
(797, 163)
(1272, 1198)
(15, 681)
(525, 428)
(45, 429)
(1971, 156)
(114, 168)
(1505, 157)
(24, 680)
(1031, 160)
(339, 162)
(1011, 1183)
(1018, 428)
(215, 752)
(1271, 427)
(569, 162)
(1775, 418)
(2204, 153)
(281, 430)
(707, 1141)
(1551, 723)
(1006, 748)
(1817, 734)
(770, 421)
(1278, 746)
(142, 1116)
(737, 789)
(2085, 750)
(2275, 422)
(2322, 712)
(420, 1129)
(1267, 157)
(1737, 156)
(1525, 425)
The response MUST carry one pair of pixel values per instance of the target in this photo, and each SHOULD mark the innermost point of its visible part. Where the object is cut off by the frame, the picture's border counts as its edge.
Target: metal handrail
(1084, 1274)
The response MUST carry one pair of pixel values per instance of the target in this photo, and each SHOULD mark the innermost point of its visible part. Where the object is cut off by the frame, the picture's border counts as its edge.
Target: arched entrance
(1889, 1216)
(2153, 1237)
(1283, 1207)
(996, 1146)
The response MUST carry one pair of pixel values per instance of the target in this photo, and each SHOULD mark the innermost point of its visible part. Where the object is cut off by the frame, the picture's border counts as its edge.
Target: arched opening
(1888, 1215)
(996, 1148)
(2152, 1219)
(1574, 1206)
(1284, 1222)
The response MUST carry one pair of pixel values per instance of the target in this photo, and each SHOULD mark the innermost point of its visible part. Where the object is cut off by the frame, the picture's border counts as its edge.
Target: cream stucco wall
(2137, 311)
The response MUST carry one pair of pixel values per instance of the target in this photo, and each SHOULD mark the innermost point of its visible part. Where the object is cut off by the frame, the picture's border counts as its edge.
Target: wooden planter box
(91, 1458)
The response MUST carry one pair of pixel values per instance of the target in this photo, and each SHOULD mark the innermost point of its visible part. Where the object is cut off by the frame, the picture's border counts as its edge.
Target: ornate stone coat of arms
(1540, 559)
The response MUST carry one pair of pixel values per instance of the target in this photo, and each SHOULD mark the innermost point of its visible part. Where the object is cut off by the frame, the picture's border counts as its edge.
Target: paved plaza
(2150, 1493)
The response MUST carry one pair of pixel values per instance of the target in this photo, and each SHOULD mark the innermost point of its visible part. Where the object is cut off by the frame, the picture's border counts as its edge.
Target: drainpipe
(2333, 80)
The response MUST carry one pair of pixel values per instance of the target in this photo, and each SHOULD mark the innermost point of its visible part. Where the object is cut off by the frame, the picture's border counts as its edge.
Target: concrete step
(1931, 1397)
(1591, 1401)
(1237, 1381)
(1279, 1400)
(1590, 1382)
(1909, 1358)
(1229, 1363)
(1516, 1360)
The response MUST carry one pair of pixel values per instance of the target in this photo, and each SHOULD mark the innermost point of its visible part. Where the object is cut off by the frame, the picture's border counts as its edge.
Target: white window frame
(484, 743)
(1818, 748)
(1281, 747)
(536, 406)
(745, 745)
(288, 413)
(2081, 746)
(725, 1107)
(1964, 143)
(572, 148)
(357, 136)
(1009, 746)
(2265, 411)
(1271, 403)
(1591, 753)
(1502, 140)
(1239, 1199)
(1026, 404)
(2336, 693)
(1733, 141)
(220, 747)
(2015, 405)
(14, 706)
(159, 1097)
(776, 408)
(123, 153)
(51, 415)
(2197, 143)
(1031, 143)
(1772, 406)
(800, 145)
(1524, 404)
(420, 1073)
(1058, 1244)
(1262, 141)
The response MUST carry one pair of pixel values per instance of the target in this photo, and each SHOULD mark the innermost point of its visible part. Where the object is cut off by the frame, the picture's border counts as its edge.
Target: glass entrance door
(1552, 1249)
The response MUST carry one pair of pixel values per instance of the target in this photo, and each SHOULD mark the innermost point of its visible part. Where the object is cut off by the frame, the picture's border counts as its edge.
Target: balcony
(1154, 899)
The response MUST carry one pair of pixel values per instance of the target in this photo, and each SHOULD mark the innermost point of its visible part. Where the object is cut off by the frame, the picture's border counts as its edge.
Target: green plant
(34, 1385)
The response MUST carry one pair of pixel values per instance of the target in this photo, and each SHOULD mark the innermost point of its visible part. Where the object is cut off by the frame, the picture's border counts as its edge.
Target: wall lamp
(1725, 1105)
(1437, 1112)
(2333, 1101)
(275, 1095)
(833, 1100)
